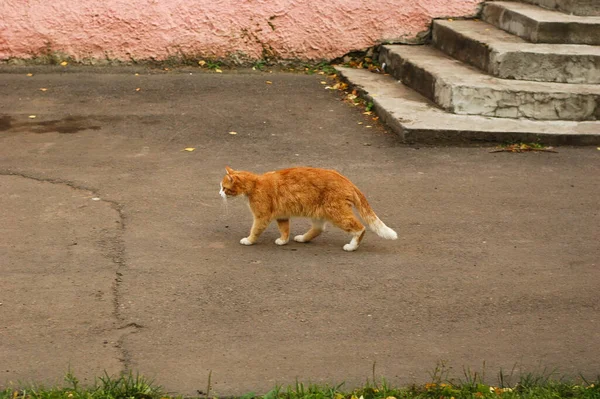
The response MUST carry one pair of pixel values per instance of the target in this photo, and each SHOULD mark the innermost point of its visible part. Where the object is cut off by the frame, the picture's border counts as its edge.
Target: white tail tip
(382, 230)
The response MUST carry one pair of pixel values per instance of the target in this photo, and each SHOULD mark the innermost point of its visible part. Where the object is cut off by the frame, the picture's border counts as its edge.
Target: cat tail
(370, 218)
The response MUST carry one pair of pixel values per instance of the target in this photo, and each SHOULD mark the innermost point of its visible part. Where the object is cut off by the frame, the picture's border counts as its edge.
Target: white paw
(246, 241)
(350, 247)
(279, 241)
(299, 238)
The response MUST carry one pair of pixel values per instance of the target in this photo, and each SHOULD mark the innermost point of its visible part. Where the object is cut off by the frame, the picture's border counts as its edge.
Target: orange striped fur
(319, 194)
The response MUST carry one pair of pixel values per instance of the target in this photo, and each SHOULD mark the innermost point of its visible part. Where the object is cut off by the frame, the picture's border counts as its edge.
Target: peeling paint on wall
(251, 29)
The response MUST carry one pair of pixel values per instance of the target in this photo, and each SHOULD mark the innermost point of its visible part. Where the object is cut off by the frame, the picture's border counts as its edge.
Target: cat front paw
(279, 241)
(246, 241)
(299, 238)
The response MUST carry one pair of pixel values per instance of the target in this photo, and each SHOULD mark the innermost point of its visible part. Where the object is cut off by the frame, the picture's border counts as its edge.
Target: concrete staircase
(520, 73)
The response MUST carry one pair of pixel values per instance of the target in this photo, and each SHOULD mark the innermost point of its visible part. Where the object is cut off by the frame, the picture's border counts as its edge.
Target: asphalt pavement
(117, 252)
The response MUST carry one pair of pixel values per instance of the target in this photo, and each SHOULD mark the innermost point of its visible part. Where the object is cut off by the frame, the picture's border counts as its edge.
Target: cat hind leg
(356, 239)
(318, 225)
(349, 223)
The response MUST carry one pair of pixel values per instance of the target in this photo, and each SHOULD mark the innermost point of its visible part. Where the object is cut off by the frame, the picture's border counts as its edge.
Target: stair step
(510, 57)
(462, 89)
(416, 119)
(539, 25)
(576, 7)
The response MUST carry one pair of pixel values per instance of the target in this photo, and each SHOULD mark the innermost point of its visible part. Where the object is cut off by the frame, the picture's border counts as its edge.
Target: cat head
(231, 184)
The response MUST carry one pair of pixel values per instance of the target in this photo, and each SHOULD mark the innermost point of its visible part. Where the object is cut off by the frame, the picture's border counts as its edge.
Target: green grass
(313, 68)
(530, 386)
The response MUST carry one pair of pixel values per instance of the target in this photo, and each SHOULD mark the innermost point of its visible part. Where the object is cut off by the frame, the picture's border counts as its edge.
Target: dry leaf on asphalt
(201, 63)
(232, 133)
(29, 74)
(323, 82)
(218, 70)
(43, 89)
(269, 82)
(64, 63)
(137, 89)
(32, 116)
(523, 147)
(189, 149)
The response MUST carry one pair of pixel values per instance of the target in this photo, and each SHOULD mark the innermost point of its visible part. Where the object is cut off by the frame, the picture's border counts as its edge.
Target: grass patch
(472, 386)
(128, 386)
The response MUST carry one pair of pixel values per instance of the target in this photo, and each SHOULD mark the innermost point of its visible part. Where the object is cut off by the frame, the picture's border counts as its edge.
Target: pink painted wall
(142, 29)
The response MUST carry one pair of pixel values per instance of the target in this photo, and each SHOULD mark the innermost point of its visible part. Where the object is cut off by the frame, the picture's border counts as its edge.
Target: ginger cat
(320, 194)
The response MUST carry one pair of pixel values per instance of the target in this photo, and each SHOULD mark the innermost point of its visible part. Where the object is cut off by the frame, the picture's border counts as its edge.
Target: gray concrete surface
(539, 25)
(508, 56)
(415, 119)
(462, 89)
(577, 7)
(117, 252)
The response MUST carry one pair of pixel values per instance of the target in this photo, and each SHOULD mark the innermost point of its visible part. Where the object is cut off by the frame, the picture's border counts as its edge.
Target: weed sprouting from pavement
(127, 386)
(474, 386)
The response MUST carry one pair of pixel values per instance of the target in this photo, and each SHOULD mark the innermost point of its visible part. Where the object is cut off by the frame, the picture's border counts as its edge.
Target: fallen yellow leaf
(360, 123)
(32, 116)
(367, 113)
(137, 74)
(321, 73)
(232, 133)
(138, 89)
(323, 82)
(201, 63)
(189, 149)
(29, 74)
(64, 63)
(166, 69)
(43, 89)
(269, 82)
(369, 126)
(450, 19)
(218, 70)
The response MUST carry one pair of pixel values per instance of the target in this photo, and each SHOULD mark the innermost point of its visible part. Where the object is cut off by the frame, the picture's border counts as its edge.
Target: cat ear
(228, 170)
(230, 179)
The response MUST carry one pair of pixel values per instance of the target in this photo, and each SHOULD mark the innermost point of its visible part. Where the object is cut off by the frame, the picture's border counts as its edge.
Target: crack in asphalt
(117, 256)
